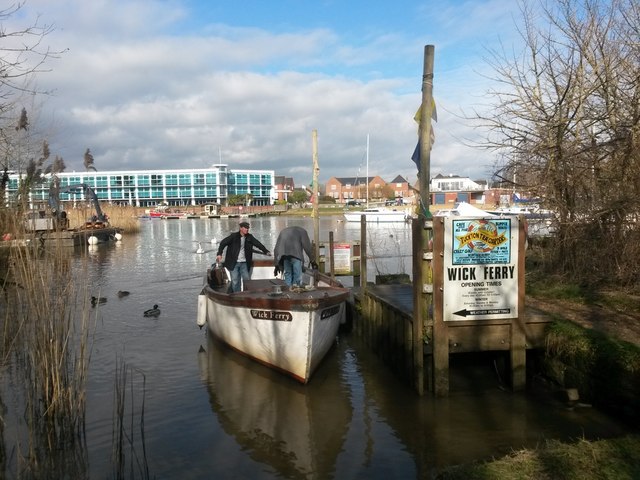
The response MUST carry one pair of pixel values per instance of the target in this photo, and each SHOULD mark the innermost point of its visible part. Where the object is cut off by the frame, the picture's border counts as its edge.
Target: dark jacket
(293, 242)
(232, 243)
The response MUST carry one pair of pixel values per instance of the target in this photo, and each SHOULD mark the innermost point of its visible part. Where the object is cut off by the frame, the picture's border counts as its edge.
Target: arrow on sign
(495, 311)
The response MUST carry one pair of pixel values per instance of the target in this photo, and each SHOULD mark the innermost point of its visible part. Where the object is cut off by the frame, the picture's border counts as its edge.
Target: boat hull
(290, 331)
(377, 217)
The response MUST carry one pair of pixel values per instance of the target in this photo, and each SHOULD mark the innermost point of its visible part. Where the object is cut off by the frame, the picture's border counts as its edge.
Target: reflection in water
(479, 420)
(296, 429)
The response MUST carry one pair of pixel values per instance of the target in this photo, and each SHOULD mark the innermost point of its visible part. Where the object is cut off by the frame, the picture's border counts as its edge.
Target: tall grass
(46, 349)
(122, 217)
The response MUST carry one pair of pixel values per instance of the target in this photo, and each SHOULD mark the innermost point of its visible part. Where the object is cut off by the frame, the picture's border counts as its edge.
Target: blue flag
(434, 116)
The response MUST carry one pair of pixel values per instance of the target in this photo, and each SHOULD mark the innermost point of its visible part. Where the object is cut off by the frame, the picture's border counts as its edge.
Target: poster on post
(480, 268)
(342, 258)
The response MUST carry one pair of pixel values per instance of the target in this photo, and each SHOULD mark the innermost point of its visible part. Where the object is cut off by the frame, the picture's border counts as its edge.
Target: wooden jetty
(413, 336)
(384, 319)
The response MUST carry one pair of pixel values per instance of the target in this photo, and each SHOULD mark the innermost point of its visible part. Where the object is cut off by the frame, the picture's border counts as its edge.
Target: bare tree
(23, 56)
(565, 120)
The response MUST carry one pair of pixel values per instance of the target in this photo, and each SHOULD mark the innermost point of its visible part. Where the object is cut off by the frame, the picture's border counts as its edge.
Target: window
(171, 179)
(143, 181)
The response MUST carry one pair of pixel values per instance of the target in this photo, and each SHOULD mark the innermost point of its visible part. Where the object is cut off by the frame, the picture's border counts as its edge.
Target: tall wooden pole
(425, 130)
(315, 214)
(423, 255)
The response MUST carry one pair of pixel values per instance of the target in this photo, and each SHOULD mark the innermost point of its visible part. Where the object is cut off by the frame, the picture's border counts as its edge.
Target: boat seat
(262, 284)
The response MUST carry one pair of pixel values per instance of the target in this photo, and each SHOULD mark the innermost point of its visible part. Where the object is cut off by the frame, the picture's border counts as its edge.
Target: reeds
(128, 455)
(46, 349)
(122, 217)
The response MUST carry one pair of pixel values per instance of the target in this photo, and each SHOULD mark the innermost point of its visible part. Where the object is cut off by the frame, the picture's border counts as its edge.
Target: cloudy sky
(155, 84)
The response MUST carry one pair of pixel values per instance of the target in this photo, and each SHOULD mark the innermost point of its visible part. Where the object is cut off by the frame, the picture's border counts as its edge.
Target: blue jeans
(239, 273)
(292, 270)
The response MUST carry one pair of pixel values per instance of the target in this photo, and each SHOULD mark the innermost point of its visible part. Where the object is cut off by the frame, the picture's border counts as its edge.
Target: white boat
(528, 211)
(290, 330)
(377, 215)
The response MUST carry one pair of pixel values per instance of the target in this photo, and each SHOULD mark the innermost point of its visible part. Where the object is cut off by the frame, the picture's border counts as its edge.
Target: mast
(367, 170)
(315, 215)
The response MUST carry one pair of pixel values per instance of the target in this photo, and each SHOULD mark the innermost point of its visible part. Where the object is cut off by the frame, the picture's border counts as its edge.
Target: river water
(195, 410)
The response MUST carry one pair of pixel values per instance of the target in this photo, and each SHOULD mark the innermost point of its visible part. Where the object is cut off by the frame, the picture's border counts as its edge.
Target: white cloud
(142, 94)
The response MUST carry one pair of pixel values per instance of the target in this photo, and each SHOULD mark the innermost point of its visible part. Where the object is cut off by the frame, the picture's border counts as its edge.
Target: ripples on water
(196, 410)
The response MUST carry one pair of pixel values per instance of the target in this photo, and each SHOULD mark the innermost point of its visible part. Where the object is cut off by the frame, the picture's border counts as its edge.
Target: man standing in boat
(292, 244)
(239, 256)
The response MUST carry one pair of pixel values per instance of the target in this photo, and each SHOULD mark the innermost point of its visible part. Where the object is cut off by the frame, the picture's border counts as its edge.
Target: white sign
(342, 258)
(480, 268)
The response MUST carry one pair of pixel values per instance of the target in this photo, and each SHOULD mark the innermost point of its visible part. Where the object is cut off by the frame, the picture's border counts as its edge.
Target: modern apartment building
(148, 188)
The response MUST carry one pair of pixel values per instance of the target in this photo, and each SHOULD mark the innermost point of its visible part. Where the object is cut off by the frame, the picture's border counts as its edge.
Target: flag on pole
(432, 137)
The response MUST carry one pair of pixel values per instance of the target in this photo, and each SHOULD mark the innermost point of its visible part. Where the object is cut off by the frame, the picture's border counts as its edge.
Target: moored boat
(288, 329)
(377, 214)
(167, 214)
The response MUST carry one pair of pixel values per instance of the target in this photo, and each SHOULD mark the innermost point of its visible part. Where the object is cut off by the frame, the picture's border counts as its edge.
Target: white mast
(367, 170)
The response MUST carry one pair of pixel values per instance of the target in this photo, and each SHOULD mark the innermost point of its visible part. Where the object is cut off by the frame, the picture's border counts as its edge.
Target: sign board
(480, 268)
(342, 258)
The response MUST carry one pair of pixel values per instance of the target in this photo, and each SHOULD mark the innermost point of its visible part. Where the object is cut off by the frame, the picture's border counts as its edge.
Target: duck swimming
(122, 293)
(152, 312)
(98, 301)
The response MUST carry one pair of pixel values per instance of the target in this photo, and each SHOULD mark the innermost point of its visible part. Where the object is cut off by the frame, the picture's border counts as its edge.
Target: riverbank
(593, 353)
(618, 458)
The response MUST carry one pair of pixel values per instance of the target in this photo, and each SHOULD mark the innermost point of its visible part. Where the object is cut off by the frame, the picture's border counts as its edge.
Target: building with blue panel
(148, 188)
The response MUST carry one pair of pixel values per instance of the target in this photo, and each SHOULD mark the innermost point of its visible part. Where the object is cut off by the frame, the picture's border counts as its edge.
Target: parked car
(354, 203)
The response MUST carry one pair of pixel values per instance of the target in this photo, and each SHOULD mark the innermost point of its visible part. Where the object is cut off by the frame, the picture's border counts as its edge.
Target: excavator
(57, 220)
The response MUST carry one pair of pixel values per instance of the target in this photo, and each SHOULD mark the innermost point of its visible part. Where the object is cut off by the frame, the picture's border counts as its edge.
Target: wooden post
(440, 340)
(363, 253)
(425, 128)
(419, 312)
(518, 331)
(332, 263)
(425, 303)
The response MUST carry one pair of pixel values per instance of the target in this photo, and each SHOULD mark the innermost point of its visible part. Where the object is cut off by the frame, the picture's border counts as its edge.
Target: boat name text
(330, 312)
(272, 315)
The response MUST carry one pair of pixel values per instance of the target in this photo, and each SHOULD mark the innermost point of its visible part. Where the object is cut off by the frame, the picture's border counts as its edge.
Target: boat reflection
(298, 430)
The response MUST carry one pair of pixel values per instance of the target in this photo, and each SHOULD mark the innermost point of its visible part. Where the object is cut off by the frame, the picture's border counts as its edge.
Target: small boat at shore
(288, 329)
(377, 215)
(167, 214)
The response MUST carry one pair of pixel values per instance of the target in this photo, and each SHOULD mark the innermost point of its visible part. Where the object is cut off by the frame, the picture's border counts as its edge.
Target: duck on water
(152, 312)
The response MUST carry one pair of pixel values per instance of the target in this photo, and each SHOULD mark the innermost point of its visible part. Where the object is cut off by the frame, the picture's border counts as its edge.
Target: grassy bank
(617, 458)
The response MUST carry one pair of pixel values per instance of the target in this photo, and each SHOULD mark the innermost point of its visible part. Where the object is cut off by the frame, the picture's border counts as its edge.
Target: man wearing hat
(239, 256)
